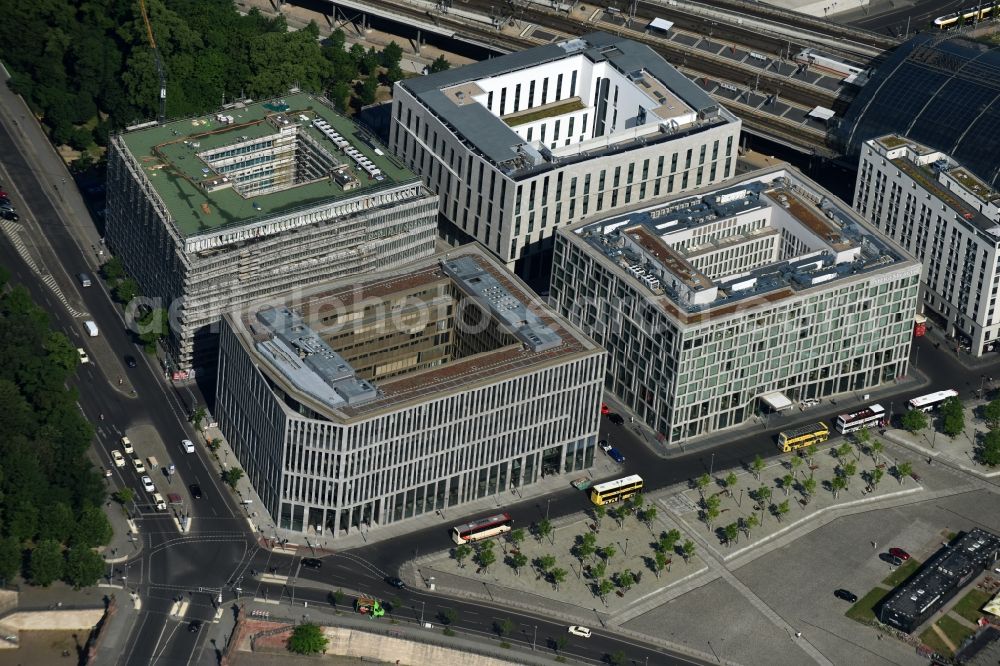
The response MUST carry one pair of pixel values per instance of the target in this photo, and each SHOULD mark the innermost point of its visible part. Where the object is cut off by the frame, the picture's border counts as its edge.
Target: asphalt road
(896, 17)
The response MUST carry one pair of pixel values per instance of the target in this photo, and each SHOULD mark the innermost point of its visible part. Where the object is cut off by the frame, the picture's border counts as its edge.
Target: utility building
(950, 220)
(732, 302)
(521, 145)
(212, 212)
(369, 401)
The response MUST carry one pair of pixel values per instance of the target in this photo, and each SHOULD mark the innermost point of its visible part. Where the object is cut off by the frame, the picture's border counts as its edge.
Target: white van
(91, 328)
(84, 279)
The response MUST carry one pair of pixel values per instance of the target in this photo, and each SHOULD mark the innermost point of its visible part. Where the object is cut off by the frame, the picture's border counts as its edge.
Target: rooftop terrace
(648, 244)
(249, 162)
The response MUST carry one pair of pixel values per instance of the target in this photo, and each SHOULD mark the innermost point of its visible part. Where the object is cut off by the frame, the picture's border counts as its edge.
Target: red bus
(482, 529)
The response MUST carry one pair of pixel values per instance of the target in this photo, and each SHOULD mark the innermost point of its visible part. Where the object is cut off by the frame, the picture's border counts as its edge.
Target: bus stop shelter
(777, 401)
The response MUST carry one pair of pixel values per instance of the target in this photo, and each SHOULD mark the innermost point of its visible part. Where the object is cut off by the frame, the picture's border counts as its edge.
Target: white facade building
(726, 303)
(520, 145)
(373, 400)
(950, 220)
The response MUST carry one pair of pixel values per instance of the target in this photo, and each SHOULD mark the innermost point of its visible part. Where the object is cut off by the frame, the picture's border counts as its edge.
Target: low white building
(520, 145)
(950, 220)
(727, 303)
(371, 400)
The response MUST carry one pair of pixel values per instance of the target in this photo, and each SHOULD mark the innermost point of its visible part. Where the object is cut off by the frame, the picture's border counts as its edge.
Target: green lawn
(969, 605)
(569, 106)
(954, 630)
(901, 573)
(862, 611)
(933, 641)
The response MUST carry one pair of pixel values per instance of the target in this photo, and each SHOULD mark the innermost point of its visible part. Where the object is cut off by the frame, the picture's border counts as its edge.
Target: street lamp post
(739, 502)
(711, 465)
(534, 638)
(422, 613)
(626, 546)
(547, 503)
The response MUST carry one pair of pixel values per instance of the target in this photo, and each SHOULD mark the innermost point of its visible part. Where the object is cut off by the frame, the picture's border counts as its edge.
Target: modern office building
(724, 303)
(372, 400)
(940, 579)
(950, 220)
(211, 212)
(523, 144)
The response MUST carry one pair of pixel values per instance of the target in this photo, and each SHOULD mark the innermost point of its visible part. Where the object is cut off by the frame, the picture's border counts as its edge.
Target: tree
(393, 73)
(688, 549)
(516, 537)
(558, 576)
(10, 558)
(837, 483)
(517, 560)
(607, 552)
(83, 567)
(749, 523)
(307, 639)
(877, 475)
(711, 513)
(787, 481)
(757, 466)
(604, 589)
(544, 563)
(461, 552)
(616, 658)
(730, 481)
(93, 528)
(843, 451)
(599, 512)
(732, 532)
(914, 421)
(952, 417)
(503, 627)
(795, 463)
(781, 509)
(486, 557)
(124, 495)
(809, 486)
(876, 449)
(809, 452)
(903, 470)
(991, 414)
(439, 65)
(626, 580)
(762, 495)
(648, 515)
(198, 416)
(862, 437)
(989, 451)
(543, 529)
(668, 540)
(448, 616)
(232, 476)
(126, 291)
(702, 483)
(659, 562)
(113, 270)
(598, 569)
(46, 563)
(367, 90)
(584, 548)
(392, 54)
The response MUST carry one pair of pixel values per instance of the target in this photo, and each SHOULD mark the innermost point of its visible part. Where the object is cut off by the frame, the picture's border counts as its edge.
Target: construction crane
(159, 64)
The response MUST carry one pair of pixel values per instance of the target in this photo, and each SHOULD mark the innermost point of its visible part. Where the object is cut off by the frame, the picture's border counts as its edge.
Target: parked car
(396, 583)
(604, 445)
(118, 458)
(616, 455)
(891, 559)
(139, 467)
(605, 410)
(195, 491)
(900, 553)
(9, 215)
(582, 632)
(616, 419)
(311, 562)
(127, 445)
(846, 595)
(147, 483)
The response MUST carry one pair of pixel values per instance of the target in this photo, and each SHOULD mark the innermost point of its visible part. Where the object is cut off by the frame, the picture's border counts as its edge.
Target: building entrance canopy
(776, 401)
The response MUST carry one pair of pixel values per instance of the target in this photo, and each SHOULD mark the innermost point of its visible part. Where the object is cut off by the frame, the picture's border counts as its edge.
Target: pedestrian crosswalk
(13, 232)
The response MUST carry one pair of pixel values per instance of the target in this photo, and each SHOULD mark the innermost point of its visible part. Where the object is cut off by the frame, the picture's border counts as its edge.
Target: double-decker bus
(616, 491)
(481, 529)
(926, 403)
(873, 416)
(797, 438)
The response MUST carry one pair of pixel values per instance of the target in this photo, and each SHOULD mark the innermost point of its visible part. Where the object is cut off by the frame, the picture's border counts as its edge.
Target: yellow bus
(616, 491)
(797, 438)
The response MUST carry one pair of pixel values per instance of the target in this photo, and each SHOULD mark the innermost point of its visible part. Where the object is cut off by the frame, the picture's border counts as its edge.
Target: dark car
(891, 559)
(616, 455)
(616, 419)
(9, 215)
(195, 491)
(4, 201)
(194, 626)
(604, 445)
(846, 595)
(900, 553)
(311, 562)
(130, 360)
(396, 583)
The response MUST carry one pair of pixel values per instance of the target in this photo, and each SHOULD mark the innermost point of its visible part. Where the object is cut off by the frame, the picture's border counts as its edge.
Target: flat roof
(494, 138)
(168, 156)
(544, 338)
(647, 244)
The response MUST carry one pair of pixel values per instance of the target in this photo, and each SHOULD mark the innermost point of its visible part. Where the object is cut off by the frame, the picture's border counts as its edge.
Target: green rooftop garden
(168, 154)
(892, 141)
(539, 113)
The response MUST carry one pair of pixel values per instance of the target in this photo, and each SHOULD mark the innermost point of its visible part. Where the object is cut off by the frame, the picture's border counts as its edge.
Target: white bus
(926, 403)
(481, 529)
(872, 416)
